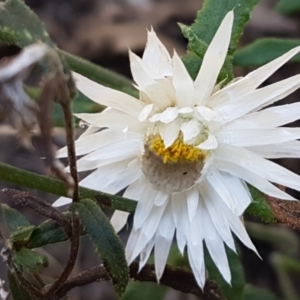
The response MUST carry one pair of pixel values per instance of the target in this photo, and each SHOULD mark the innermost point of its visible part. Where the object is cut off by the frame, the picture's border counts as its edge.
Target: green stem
(99, 74)
(54, 186)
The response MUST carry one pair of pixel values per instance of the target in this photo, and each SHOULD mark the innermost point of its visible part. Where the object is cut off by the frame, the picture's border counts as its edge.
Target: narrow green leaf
(17, 291)
(288, 7)
(145, 291)
(204, 28)
(236, 290)
(259, 207)
(13, 219)
(20, 26)
(106, 241)
(29, 260)
(256, 293)
(262, 51)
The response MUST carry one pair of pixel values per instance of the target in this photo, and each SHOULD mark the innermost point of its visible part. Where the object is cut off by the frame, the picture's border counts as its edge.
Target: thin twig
(40, 206)
(49, 292)
(177, 278)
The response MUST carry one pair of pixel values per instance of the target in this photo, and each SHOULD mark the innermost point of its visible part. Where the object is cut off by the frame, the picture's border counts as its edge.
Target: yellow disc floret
(178, 152)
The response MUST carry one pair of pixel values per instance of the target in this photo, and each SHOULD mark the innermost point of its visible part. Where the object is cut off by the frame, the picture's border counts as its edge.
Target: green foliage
(255, 293)
(17, 291)
(145, 291)
(20, 26)
(263, 51)
(288, 7)
(49, 232)
(13, 219)
(21, 237)
(204, 28)
(26, 259)
(236, 290)
(259, 206)
(106, 241)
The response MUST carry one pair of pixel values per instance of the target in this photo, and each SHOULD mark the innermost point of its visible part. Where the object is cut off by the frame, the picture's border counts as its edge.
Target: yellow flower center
(178, 152)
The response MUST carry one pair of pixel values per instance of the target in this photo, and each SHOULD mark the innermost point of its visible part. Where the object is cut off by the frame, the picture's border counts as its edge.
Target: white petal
(254, 137)
(252, 80)
(209, 144)
(157, 57)
(145, 203)
(146, 253)
(238, 228)
(145, 112)
(213, 61)
(129, 175)
(268, 118)
(196, 259)
(148, 229)
(123, 148)
(169, 132)
(113, 121)
(215, 246)
(265, 168)
(185, 111)
(216, 181)
(180, 215)
(273, 151)
(163, 241)
(245, 167)
(61, 201)
(211, 201)
(90, 130)
(204, 113)
(119, 220)
(190, 129)
(161, 93)
(141, 73)
(161, 198)
(107, 96)
(169, 115)
(257, 99)
(183, 83)
(239, 191)
(155, 118)
(192, 202)
(92, 142)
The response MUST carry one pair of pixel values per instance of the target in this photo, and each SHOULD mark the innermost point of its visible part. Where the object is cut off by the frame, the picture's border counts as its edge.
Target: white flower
(186, 149)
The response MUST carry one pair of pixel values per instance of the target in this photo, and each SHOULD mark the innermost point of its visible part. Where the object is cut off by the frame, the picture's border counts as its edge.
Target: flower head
(186, 149)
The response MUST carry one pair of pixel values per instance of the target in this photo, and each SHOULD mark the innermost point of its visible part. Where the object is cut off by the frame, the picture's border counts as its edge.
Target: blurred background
(102, 31)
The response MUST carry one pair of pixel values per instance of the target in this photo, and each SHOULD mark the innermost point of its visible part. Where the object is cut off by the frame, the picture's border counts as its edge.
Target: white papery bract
(186, 149)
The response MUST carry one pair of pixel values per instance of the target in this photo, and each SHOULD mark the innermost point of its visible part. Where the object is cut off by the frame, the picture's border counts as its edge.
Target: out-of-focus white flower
(15, 104)
(186, 149)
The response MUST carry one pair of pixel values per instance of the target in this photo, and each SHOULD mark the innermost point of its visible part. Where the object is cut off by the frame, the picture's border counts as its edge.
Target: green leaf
(29, 260)
(236, 290)
(106, 241)
(204, 28)
(256, 293)
(17, 291)
(259, 206)
(262, 51)
(13, 219)
(49, 232)
(20, 26)
(288, 7)
(21, 236)
(145, 291)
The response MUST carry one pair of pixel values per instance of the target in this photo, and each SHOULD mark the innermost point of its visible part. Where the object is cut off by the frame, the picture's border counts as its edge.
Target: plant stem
(57, 187)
